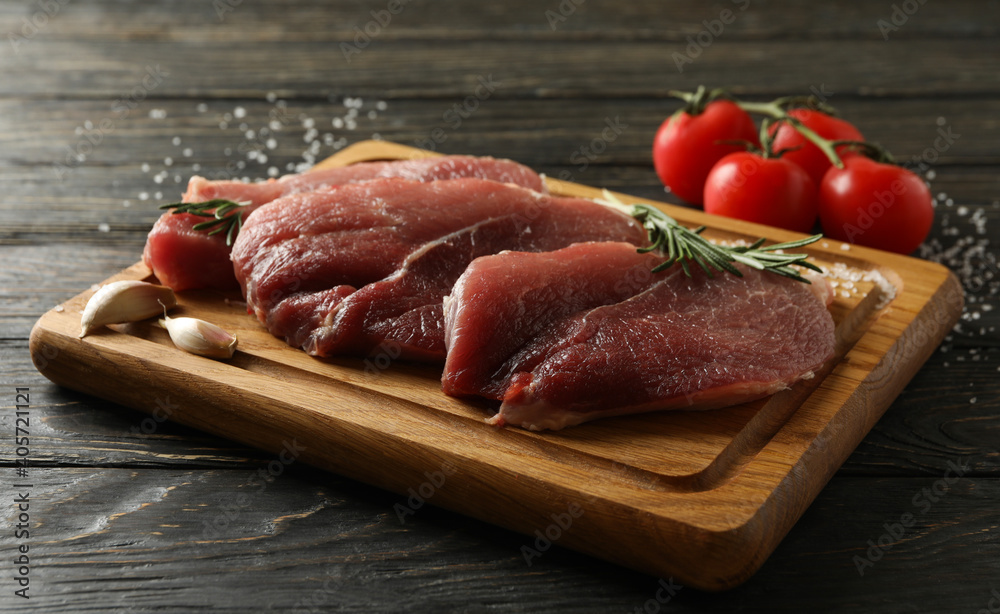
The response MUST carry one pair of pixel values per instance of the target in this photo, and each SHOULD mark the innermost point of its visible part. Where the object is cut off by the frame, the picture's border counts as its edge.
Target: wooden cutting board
(703, 497)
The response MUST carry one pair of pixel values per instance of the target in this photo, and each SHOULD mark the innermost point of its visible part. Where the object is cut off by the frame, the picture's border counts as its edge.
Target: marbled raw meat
(588, 331)
(185, 259)
(348, 270)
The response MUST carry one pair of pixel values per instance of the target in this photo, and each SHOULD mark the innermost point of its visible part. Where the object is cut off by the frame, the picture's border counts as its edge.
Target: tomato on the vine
(687, 146)
(807, 155)
(875, 204)
(771, 191)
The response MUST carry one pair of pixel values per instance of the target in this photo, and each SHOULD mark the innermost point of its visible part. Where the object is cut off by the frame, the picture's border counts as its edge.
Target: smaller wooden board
(703, 497)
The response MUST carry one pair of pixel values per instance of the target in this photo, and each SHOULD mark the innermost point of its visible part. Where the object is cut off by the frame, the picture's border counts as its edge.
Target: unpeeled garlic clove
(124, 301)
(200, 337)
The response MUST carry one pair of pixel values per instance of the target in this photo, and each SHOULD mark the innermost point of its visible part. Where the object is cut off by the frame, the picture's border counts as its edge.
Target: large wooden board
(703, 497)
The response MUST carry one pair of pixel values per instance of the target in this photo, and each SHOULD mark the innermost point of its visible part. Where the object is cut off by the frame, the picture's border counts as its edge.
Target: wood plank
(318, 21)
(180, 540)
(750, 462)
(447, 69)
(49, 134)
(76, 208)
(930, 424)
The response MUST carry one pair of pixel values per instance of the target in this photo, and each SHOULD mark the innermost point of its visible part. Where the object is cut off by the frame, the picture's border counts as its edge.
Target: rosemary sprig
(684, 245)
(226, 216)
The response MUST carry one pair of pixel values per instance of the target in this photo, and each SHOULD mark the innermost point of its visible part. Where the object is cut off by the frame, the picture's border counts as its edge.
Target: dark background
(107, 107)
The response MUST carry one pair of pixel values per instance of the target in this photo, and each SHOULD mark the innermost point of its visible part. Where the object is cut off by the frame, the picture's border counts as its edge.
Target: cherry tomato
(686, 146)
(769, 191)
(808, 156)
(874, 204)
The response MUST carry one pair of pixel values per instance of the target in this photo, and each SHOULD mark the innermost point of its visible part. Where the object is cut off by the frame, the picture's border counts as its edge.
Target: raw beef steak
(184, 258)
(347, 270)
(588, 331)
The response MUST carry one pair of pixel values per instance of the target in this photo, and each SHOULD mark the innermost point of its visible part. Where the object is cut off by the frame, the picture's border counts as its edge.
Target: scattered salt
(176, 140)
(58, 308)
(157, 113)
(103, 227)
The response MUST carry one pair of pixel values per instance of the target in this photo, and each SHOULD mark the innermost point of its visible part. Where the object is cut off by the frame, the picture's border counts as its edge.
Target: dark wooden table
(107, 107)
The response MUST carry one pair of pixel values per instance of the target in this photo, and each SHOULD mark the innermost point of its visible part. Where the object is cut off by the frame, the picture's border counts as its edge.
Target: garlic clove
(124, 301)
(200, 337)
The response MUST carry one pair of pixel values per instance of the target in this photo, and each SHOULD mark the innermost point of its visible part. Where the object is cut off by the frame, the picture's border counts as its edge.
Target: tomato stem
(696, 101)
(869, 150)
(776, 110)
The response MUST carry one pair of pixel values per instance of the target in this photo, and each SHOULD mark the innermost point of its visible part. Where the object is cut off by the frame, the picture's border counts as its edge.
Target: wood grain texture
(741, 471)
(50, 132)
(303, 69)
(525, 20)
(138, 534)
(439, 561)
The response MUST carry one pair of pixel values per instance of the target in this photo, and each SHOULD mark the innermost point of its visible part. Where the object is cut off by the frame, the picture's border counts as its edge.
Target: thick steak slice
(344, 271)
(184, 259)
(586, 332)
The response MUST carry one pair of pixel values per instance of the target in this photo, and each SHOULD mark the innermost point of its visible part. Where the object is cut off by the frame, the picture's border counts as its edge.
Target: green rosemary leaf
(227, 216)
(683, 245)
